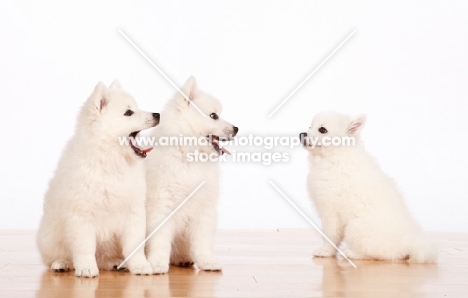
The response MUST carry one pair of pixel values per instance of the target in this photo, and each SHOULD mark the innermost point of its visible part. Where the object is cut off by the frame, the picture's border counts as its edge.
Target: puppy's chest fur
(112, 184)
(332, 185)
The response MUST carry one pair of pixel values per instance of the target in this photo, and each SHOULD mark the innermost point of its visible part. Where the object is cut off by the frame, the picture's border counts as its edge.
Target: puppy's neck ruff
(338, 151)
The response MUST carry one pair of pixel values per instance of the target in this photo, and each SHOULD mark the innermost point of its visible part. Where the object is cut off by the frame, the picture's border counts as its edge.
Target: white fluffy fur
(94, 209)
(358, 204)
(188, 237)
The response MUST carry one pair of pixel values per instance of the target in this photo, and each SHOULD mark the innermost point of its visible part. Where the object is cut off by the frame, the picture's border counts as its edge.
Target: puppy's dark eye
(214, 116)
(128, 113)
(322, 130)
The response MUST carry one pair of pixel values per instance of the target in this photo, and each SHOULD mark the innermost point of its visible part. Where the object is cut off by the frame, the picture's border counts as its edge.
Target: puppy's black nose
(156, 116)
(236, 129)
(302, 135)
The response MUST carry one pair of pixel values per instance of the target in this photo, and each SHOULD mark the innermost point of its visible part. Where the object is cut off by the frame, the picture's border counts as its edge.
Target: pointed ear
(115, 85)
(356, 124)
(190, 88)
(97, 100)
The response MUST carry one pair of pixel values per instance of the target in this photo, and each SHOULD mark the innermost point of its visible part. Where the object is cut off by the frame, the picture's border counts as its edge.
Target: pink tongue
(222, 148)
(147, 150)
(135, 143)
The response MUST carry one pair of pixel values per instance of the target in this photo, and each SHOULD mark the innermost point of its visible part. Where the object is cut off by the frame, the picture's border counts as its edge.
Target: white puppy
(94, 209)
(188, 237)
(357, 203)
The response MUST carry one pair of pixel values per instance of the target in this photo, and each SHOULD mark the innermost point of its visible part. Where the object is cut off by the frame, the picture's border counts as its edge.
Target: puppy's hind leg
(180, 255)
(360, 238)
(61, 266)
(52, 247)
(109, 255)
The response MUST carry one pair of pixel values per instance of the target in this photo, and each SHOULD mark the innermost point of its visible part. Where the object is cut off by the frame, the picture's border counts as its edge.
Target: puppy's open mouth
(309, 144)
(214, 140)
(141, 152)
(306, 141)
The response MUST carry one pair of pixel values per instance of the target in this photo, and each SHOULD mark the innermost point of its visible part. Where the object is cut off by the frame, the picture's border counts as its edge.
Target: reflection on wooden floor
(256, 264)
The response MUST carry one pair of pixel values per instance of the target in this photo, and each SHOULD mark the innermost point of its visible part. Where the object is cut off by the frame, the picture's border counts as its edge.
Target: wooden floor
(256, 264)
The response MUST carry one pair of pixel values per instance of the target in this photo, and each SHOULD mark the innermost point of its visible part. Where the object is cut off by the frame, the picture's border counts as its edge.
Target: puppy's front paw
(141, 268)
(324, 252)
(209, 264)
(87, 272)
(85, 266)
(159, 267)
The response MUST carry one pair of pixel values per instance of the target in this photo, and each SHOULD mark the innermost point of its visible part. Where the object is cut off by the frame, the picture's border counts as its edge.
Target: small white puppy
(188, 237)
(358, 204)
(94, 209)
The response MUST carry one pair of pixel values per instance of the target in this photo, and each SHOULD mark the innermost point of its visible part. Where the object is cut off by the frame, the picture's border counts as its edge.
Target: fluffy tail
(422, 251)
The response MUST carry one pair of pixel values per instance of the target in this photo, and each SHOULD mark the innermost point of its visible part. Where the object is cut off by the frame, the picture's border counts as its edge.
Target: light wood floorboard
(256, 264)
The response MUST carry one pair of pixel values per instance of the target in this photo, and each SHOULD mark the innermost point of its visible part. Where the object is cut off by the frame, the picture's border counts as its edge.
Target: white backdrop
(406, 68)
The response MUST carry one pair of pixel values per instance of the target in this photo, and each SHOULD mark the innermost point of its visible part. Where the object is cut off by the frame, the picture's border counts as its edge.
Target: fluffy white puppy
(358, 204)
(94, 209)
(188, 237)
